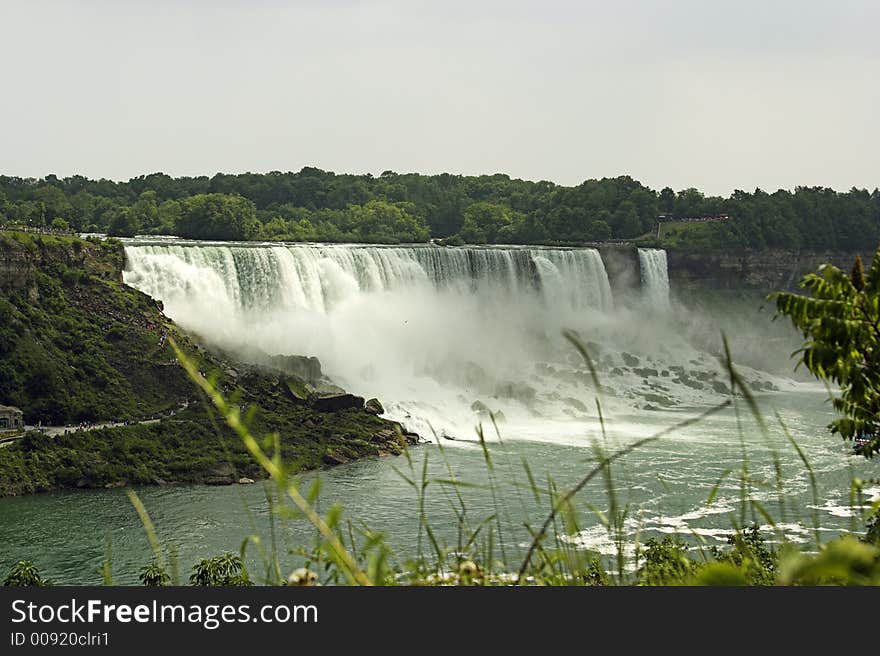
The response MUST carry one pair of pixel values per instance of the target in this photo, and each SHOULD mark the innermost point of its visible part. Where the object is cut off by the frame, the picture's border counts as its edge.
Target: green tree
(123, 223)
(217, 216)
(840, 320)
(483, 221)
(145, 212)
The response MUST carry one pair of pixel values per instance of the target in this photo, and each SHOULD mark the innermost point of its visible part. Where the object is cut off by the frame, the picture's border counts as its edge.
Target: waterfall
(240, 278)
(429, 330)
(655, 277)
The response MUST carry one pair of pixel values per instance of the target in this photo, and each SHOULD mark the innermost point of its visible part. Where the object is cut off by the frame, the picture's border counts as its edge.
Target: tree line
(316, 205)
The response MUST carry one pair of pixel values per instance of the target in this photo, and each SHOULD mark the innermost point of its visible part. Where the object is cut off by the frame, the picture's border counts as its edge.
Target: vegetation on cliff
(77, 346)
(316, 205)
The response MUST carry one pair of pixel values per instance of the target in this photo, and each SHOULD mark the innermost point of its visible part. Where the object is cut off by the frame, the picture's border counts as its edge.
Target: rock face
(23, 254)
(767, 270)
(303, 367)
(222, 474)
(374, 407)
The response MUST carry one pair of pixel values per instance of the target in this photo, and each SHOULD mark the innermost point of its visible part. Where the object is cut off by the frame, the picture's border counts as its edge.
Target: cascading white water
(429, 330)
(236, 279)
(655, 277)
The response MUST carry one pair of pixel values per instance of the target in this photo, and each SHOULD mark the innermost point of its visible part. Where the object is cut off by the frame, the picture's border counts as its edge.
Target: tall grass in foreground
(345, 552)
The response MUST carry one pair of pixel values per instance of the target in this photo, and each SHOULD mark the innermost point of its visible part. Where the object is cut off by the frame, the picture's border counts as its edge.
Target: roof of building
(9, 408)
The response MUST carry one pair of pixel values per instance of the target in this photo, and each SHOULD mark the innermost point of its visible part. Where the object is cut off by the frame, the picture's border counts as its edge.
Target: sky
(680, 93)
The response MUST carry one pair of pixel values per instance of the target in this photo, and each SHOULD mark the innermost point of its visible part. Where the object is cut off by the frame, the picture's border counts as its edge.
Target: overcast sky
(716, 95)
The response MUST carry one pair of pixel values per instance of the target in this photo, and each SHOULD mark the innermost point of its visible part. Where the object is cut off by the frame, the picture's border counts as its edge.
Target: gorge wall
(763, 271)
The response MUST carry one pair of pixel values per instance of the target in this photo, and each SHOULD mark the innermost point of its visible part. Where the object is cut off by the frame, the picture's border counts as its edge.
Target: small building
(11, 418)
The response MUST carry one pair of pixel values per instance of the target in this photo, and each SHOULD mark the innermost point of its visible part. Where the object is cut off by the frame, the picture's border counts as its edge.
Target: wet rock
(518, 391)
(574, 403)
(374, 407)
(661, 400)
(719, 387)
(630, 360)
(333, 458)
(385, 435)
(298, 390)
(335, 402)
(244, 480)
(689, 382)
(646, 372)
(305, 368)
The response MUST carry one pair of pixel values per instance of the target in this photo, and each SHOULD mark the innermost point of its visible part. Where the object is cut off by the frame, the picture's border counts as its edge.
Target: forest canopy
(316, 205)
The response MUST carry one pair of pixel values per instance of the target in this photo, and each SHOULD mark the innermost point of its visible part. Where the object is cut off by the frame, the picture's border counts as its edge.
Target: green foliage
(840, 320)
(664, 562)
(154, 575)
(60, 224)
(79, 345)
(316, 205)
(220, 571)
(845, 561)
(217, 216)
(24, 573)
(749, 557)
(486, 222)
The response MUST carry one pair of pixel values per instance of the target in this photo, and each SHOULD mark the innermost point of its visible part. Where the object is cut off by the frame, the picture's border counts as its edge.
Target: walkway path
(60, 431)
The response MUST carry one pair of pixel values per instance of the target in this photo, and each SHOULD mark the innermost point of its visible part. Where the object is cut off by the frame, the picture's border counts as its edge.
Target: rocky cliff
(762, 271)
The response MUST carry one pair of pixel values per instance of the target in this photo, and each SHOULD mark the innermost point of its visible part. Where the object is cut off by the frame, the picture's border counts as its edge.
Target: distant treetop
(316, 205)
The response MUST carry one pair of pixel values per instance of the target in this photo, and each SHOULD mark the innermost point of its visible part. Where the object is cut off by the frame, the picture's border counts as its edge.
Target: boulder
(646, 372)
(244, 480)
(374, 407)
(385, 435)
(333, 458)
(335, 402)
(630, 360)
(518, 391)
(657, 398)
(298, 390)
